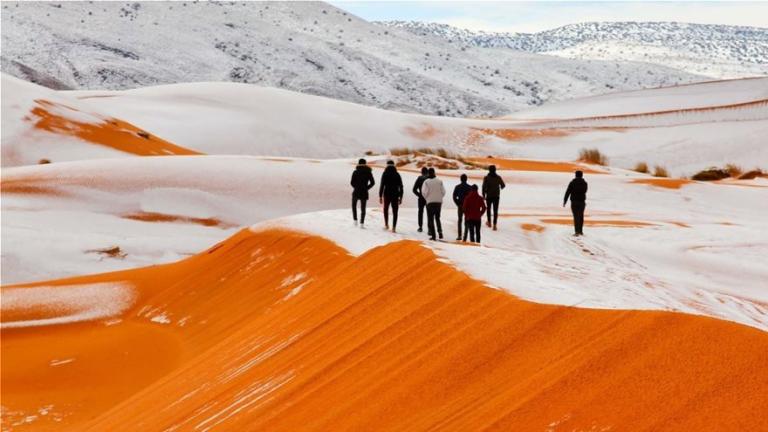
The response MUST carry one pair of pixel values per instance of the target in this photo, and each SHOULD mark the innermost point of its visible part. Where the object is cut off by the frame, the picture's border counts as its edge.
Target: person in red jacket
(474, 207)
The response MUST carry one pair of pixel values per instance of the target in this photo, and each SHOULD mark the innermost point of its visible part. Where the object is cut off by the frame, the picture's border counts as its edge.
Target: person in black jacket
(362, 180)
(577, 191)
(459, 192)
(417, 191)
(391, 193)
(492, 186)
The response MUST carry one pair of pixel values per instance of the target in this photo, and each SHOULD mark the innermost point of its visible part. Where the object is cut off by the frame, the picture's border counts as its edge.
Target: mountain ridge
(313, 48)
(736, 51)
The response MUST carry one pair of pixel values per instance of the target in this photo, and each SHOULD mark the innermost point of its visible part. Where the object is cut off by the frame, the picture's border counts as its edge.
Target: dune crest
(275, 330)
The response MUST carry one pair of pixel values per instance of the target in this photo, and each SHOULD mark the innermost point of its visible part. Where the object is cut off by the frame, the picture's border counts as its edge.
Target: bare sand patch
(667, 183)
(535, 165)
(110, 132)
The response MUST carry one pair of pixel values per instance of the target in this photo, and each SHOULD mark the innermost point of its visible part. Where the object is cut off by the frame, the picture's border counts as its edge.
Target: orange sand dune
(601, 222)
(534, 165)
(282, 331)
(668, 183)
(109, 132)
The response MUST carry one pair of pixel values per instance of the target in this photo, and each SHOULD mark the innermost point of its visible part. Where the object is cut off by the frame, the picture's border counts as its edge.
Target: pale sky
(526, 16)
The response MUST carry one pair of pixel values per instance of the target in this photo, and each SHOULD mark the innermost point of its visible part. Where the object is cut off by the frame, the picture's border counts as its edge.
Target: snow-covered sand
(694, 249)
(268, 288)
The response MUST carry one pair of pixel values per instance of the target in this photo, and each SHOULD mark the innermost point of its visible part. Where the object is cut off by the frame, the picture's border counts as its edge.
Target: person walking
(417, 191)
(474, 207)
(433, 192)
(391, 193)
(492, 186)
(577, 192)
(459, 192)
(362, 180)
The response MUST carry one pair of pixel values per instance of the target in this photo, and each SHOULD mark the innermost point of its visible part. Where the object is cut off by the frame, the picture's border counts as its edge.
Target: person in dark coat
(391, 193)
(474, 207)
(362, 180)
(577, 192)
(417, 191)
(459, 192)
(492, 186)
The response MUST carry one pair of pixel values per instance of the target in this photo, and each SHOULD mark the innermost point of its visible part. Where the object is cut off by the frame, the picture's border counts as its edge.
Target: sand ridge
(247, 344)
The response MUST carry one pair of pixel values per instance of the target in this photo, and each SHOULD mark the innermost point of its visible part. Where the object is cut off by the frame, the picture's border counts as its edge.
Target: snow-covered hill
(717, 51)
(310, 47)
(685, 128)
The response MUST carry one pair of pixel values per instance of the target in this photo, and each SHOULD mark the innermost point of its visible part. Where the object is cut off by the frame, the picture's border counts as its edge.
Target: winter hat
(390, 162)
(579, 174)
(361, 162)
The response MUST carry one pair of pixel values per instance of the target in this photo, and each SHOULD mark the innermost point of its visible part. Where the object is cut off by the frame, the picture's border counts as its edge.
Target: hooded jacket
(391, 185)
(474, 206)
(362, 180)
(432, 190)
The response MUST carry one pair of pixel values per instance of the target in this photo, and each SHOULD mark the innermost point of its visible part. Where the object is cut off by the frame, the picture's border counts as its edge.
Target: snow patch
(54, 305)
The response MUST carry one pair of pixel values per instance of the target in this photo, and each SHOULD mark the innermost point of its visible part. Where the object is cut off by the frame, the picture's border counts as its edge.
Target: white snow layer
(64, 304)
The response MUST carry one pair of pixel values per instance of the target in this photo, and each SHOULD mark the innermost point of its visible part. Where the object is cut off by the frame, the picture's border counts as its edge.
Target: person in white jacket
(433, 192)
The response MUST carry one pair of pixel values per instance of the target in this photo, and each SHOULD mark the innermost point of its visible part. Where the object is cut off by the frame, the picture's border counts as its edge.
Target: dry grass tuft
(641, 167)
(752, 174)
(734, 170)
(660, 171)
(593, 156)
(44, 161)
(400, 151)
(711, 174)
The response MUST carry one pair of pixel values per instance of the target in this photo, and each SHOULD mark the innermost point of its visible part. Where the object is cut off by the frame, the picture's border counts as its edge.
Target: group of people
(470, 204)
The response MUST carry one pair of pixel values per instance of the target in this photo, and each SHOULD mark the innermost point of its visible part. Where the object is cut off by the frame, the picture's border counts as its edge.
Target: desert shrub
(711, 174)
(592, 156)
(44, 161)
(369, 153)
(400, 151)
(641, 167)
(733, 170)
(660, 171)
(752, 174)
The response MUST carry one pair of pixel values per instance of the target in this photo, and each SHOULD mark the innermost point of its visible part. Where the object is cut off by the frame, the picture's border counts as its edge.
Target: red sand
(110, 132)
(534, 165)
(391, 340)
(668, 183)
